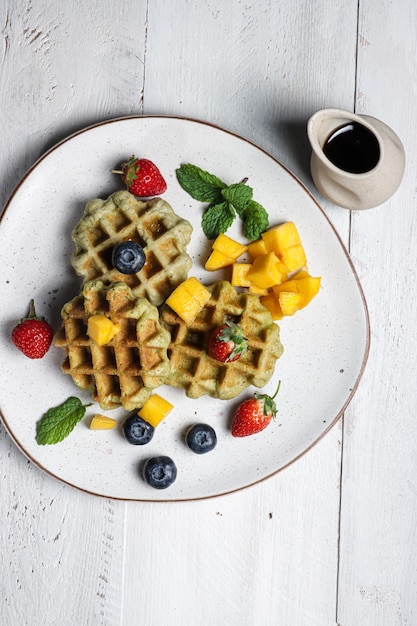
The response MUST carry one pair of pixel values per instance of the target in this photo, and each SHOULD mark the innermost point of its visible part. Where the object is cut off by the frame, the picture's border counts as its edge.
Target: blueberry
(201, 438)
(137, 431)
(160, 472)
(128, 257)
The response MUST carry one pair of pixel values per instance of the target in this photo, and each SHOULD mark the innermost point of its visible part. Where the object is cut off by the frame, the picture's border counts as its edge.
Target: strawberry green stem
(32, 315)
(277, 389)
(269, 402)
(32, 312)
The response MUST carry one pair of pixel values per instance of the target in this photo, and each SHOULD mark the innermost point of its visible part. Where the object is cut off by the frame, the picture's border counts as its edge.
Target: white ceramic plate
(326, 344)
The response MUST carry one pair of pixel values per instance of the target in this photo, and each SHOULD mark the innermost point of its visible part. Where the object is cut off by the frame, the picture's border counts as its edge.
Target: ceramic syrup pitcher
(357, 161)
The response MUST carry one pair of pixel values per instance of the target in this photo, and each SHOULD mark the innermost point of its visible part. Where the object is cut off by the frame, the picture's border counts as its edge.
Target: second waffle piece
(125, 370)
(198, 374)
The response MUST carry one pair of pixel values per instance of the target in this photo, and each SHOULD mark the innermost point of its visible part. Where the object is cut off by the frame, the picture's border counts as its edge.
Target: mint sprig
(225, 202)
(59, 421)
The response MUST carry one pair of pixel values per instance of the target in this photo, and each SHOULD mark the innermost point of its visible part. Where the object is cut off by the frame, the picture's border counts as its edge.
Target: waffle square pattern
(127, 369)
(161, 233)
(195, 371)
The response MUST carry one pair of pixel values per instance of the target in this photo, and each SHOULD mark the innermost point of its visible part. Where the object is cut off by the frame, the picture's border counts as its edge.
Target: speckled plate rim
(331, 422)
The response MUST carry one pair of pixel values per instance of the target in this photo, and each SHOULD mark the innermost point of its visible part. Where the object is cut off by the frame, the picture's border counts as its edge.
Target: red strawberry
(254, 414)
(142, 177)
(32, 335)
(227, 343)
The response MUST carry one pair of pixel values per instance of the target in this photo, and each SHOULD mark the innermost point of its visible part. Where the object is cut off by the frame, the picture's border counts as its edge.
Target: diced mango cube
(294, 257)
(300, 274)
(302, 285)
(257, 248)
(177, 297)
(257, 291)
(217, 260)
(281, 237)
(271, 303)
(183, 304)
(240, 274)
(265, 271)
(197, 290)
(102, 422)
(287, 285)
(283, 269)
(188, 299)
(101, 329)
(240, 279)
(155, 409)
(229, 247)
(289, 302)
(308, 287)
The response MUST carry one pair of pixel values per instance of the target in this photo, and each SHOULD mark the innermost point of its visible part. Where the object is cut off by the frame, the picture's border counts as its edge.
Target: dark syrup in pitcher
(352, 148)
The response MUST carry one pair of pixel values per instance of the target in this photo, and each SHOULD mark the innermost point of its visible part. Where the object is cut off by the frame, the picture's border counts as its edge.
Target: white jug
(350, 189)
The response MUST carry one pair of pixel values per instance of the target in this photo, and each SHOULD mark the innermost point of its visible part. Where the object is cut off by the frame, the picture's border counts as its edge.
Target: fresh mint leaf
(217, 219)
(255, 220)
(200, 184)
(239, 195)
(58, 422)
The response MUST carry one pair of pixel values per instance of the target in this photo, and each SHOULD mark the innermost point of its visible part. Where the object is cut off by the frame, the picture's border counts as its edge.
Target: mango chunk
(283, 269)
(102, 422)
(289, 302)
(101, 329)
(271, 303)
(257, 291)
(188, 299)
(155, 409)
(308, 287)
(229, 247)
(183, 304)
(304, 286)
(287, 285)
(281, 304)
(281, 237)
(265, 271)
(197, 290)
(294, 257)
(240, 279)
(217, 260)
(257, 248)
(240, 274)
(300, 274)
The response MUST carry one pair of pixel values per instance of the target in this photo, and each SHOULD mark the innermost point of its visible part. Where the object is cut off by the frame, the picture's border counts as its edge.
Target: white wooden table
(332, 539)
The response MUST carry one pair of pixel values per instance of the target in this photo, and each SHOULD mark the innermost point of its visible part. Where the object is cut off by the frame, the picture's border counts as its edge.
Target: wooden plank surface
(378, 523)
(271, 554)
(63, 66)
